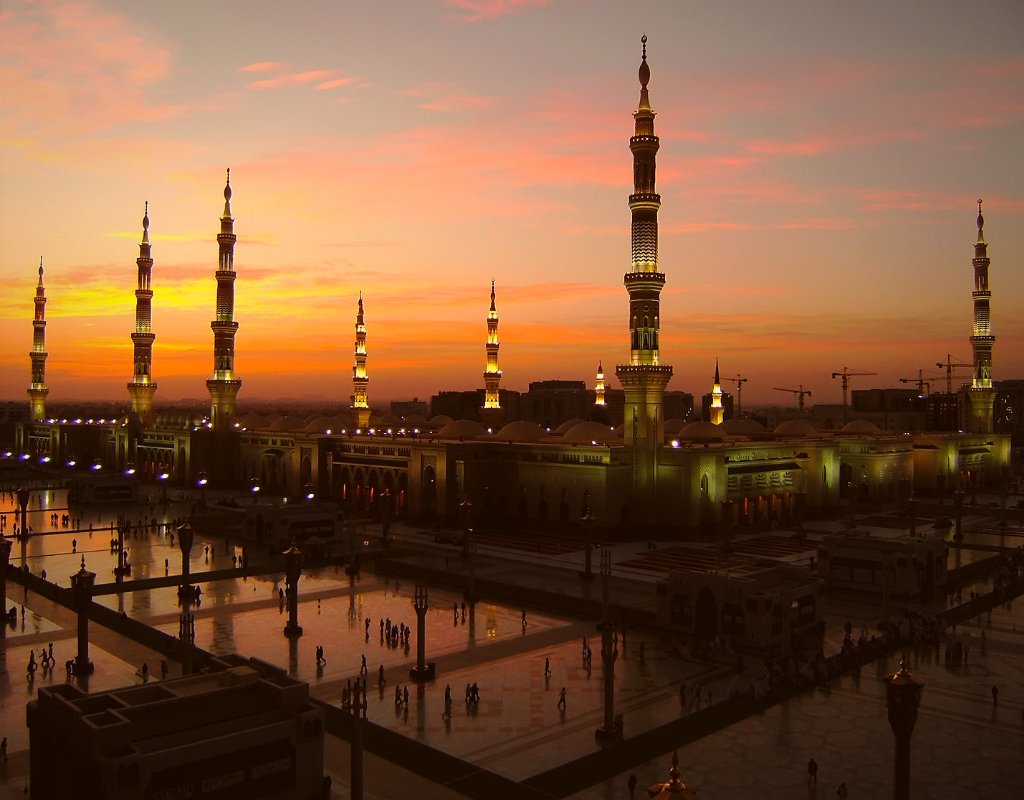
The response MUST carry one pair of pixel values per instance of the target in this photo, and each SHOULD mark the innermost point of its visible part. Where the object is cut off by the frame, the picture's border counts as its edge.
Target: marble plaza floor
(963, 747)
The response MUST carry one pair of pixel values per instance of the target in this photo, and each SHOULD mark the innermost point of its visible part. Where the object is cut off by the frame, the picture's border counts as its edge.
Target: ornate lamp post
(122, 567)
(357, 708)
(466, 512)
(292, 572)
(5, 556)
(903, 696)
(81, 585)
(186, 621)
(609, 652)
(471, 586)
(424, 670)
(23, 495)
(588, 545)
(958, 504)
(201, 483)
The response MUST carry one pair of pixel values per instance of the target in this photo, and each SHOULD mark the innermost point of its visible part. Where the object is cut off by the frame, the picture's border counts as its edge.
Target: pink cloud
(293, 78)
(263, 66)
(75, 68)
(478, 10)
(336, 83)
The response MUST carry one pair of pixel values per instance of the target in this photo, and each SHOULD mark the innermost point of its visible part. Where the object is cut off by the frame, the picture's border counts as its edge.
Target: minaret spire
(981, 393)
(644, 379)
(717, 410)
(599, 385)
(492, 413)
(37, 389)
(224, 385)
(360, 379)
(142, 388)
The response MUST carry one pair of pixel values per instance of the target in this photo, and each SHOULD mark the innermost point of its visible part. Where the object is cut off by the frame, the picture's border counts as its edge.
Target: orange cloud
(478, 10)
(263, 66)
(293, 78)
(76, 68)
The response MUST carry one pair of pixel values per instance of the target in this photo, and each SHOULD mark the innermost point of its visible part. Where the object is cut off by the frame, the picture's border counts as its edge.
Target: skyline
(826, 164)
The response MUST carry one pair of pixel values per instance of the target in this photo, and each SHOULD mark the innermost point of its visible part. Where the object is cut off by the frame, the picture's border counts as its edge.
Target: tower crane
(800, 393)
(950, 366)
(845, 374)
(739, 380)
(924, 384)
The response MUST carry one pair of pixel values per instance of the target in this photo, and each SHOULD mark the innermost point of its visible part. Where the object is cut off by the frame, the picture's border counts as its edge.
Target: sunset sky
(819, 169)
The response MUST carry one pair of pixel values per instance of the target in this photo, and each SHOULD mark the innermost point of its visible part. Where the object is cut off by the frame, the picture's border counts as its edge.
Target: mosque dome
(861, 427)
(418, 420)
(567, 425)
(521, 430)
(743, 426)
(439, 421)
(702, 431)
(796, 427)
(674, 425)
(587, 432)
(462, 429)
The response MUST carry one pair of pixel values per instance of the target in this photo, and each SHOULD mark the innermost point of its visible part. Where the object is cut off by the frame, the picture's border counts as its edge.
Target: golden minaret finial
(981, 223)
(40, 270)
(227, 195)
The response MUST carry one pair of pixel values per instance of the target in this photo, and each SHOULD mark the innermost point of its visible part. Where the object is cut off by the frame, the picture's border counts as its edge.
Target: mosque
(685, 480)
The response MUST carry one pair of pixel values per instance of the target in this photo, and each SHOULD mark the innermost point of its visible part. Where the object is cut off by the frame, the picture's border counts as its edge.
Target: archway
(429, 503)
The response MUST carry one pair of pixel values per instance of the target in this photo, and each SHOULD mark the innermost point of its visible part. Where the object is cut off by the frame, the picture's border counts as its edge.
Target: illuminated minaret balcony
(492, 413)
(982, 393)
(644, 378)
(224, 385)
(360, 378)
(37, 390)
(142, 387)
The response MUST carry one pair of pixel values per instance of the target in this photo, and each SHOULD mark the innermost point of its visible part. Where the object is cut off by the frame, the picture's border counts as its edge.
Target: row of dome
(574, 430)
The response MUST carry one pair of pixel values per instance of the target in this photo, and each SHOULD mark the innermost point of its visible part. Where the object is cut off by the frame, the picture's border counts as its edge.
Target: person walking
(561, 698)
(812, 773)
(631, 785)
(841, 792)
(547, 668)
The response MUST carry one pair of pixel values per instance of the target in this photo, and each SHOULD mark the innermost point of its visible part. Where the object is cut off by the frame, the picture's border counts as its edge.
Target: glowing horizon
(818, 174)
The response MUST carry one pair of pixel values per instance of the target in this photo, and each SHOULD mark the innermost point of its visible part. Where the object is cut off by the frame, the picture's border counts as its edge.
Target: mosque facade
(696, 478)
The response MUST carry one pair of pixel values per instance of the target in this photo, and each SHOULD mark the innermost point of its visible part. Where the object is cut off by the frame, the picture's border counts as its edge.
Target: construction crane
(801, 393)
(924, 384)
(950, 366)
(739, 380)
(845, 374)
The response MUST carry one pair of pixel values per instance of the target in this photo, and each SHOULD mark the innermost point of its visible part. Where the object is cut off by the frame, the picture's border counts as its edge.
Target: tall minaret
(37, 391)
(644, 379)
(141, 389)
(492, 412)
(360, 380)
(982, 393)
(599, 385)
(717, 411)
(224, 385)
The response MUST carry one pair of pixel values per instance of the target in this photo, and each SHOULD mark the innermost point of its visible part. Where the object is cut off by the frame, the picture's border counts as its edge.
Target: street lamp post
(186, 621)
(588, 545)
(903, 696)
(609, 652)
(23, 494)
(424, 670)
(203, 480)
(81, 586)
(958, 504)
(292, 572)
(5, 556)
(357, 708)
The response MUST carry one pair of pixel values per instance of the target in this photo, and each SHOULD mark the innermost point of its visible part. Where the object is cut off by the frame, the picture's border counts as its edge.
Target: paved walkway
(962, 746)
